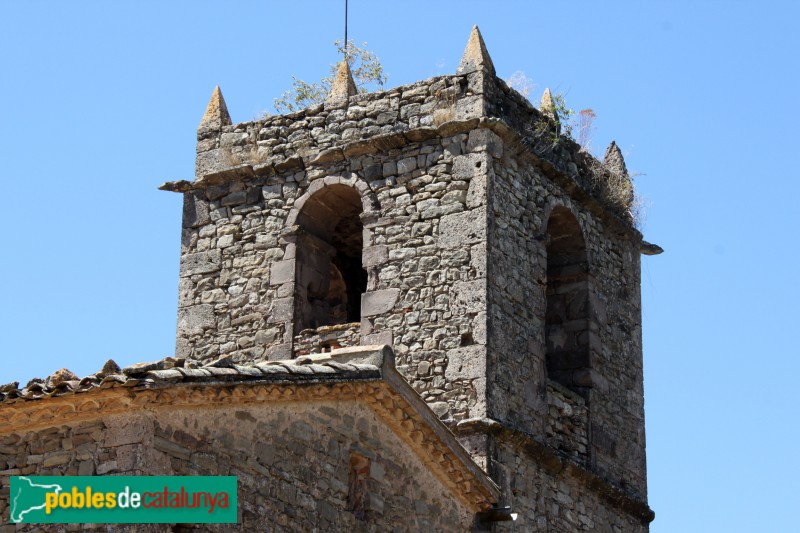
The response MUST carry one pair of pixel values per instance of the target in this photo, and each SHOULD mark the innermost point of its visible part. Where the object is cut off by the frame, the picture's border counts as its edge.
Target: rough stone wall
(424, 237)
(567, 423)
(562, 503)
(456, 197)
(325, 339)
(522, 196)
(292, 461)
(282, 142)
(113, 445)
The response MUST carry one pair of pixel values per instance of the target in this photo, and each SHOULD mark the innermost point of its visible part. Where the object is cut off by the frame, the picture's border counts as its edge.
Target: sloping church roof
(366, 374)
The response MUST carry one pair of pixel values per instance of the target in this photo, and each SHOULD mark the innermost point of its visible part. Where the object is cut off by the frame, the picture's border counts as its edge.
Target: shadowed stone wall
(292, 461)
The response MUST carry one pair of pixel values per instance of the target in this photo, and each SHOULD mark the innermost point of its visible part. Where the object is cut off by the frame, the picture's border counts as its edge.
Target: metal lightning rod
(345, 30)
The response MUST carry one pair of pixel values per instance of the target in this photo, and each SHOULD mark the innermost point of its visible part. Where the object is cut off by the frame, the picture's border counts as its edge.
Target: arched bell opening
(567, 316)
(329, 274)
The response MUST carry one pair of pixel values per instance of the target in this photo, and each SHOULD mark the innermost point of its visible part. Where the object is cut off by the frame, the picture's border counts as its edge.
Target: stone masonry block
(467, 362)
(185, 292)
(282, 272)
(282, 310)
(196, 317)
(479, 328)
(465, 167)
(183, 348)
(279, 352)
(126, 429)
(477, 259)
(210, 162)
(469, 107)
(195, 211)
(476, 194)
(200, 263)
(271, 192)
(485, 140)
(374, 255)
(383, 337)
(406, 165)
(461, 229)
(378, 302)
(468, 296)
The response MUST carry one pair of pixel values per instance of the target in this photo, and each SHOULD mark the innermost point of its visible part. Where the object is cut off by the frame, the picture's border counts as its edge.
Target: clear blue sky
(101, 101)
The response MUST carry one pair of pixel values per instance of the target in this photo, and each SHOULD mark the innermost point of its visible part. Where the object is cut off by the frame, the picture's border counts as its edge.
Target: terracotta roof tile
(171, 370)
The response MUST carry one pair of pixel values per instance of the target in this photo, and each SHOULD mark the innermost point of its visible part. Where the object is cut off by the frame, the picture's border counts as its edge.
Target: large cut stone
(195, 211)
(282, 272)
(374, 255)
(282, 310)
(196, 316)
(201, 263)
(467, 362)
(378, 302)
(485, 140)
(461, 229)
(465, 167)
(468, 296)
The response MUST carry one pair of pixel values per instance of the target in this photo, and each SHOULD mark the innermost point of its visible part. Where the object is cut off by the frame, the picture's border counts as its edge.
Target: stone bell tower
(451, 220)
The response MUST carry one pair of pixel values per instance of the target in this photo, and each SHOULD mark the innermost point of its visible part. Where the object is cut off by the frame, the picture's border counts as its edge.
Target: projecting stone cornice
(512, 140)
(557, 464)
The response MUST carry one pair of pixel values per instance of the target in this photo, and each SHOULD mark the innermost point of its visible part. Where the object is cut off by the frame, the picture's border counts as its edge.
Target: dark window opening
(330, 278)
(567, 317)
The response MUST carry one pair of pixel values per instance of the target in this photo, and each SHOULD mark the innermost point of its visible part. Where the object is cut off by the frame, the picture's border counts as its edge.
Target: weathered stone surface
(465, 167)
(647, 248)
(342, 86)
(547, 106)
(171, 448)
(477, 261)
(110, 367)
(56, 459)
(216, 115)
(58, 377)
(614, 161)
(282, 309)
(279, 352)
(121, 430)
(469, 296)
(374, 255)
(200, 263)
(483, 139)
(212, 161)
(378, 302)
(196, 317)
(195, 210)
(476, 57)
(382, 338)
(468, 362)
(476, 194)
(106, 467)
(282, 272)
(462, 229)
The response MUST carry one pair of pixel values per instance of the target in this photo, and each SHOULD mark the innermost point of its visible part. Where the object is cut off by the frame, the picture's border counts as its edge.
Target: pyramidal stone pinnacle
(475, 57)
(614, 161)
(547, 106)
(216, 115)
(343, 86)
